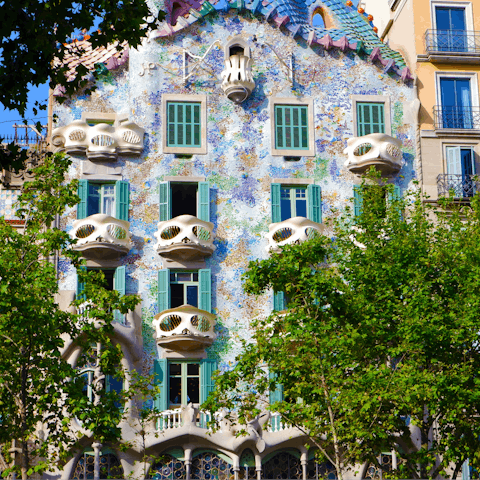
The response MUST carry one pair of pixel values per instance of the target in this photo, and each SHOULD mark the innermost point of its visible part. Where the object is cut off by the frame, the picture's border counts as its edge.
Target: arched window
(170, 466)
(110, 466)
(209, 465)
(317, 20)
(247, 465)
(374, 472)
(317, 471)
(237, 50)
(282, 465)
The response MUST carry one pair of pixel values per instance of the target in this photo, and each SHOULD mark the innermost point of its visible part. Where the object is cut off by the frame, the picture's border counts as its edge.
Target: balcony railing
(462, 186)
(173, 419)
(185, 238)
(276, 423)
(185, 328)
(464, 118)
(295, 230)
(452, 41)
(102, 236)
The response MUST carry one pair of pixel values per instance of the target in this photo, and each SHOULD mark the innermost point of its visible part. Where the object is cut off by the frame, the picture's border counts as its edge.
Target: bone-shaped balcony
(185, 238)
(237, 78)
(184, 328)
(100, 236)
(101, 141)
(378, 150)
(292, 231)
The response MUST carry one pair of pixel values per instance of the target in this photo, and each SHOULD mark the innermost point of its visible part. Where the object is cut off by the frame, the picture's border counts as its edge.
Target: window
(451, 26)
(110, 198)
(371, 114)
(456, 103)
(296, 201)
(180, 287)
(359, 197)
(185, 122)
(460, 163)
(115, 280)
(184, 199)
(183, 381)
(112, 384)
(370, 118)
(292, 132)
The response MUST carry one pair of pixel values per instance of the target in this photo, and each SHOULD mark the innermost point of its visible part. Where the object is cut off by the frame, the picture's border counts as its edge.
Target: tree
(377, 349)
(37, 39)
(40, 392)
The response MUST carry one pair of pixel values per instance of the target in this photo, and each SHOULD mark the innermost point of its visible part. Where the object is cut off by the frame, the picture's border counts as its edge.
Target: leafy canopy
(377, 350)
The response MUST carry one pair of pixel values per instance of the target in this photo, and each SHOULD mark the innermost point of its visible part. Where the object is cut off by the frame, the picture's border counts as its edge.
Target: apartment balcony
(462, 187)
(100, 236)
(99, 142)
(184, 328)
(292, 231)
(185, 238)
(457, 119)
(237, 76)
(377, 150)
(452, 46)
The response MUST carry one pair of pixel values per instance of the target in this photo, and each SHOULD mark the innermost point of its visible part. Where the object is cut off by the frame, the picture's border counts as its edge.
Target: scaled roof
(353, 30)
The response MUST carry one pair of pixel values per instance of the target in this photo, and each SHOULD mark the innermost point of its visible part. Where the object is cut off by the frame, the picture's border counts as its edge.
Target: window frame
(467, 6)
(290, 152)
(185, 150)
(466, 146)
(385, 99)
(184, 379)
(185, 285)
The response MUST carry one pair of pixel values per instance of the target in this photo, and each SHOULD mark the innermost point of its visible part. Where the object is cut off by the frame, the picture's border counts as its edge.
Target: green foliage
(40, 392)
(382, 325)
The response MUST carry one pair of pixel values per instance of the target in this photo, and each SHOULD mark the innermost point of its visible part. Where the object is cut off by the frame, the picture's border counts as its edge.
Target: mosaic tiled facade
(332, 73)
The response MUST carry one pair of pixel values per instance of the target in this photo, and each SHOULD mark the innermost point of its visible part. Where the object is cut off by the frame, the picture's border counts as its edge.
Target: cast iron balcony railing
(462, 186)
(452, 41)
(463, 118)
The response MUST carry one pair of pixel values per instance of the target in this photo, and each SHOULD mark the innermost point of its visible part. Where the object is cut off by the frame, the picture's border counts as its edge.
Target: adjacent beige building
(440, 41)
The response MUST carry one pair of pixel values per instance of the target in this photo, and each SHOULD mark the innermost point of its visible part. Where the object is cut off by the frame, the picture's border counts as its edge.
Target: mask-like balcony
(292, 231)
(185, 238)
(237, 77)
(100, 236)
(184, 328)
(375, 150)
(99, 142)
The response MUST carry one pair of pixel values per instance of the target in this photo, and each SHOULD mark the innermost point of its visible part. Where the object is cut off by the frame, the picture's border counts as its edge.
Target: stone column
(96, 461)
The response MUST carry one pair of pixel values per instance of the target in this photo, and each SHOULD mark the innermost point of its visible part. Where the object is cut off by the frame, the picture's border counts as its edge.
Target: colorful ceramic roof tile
(352, 31)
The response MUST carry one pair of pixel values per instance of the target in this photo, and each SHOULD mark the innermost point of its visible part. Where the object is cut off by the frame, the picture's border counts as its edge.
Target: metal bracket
(196, 57)
(288, 66)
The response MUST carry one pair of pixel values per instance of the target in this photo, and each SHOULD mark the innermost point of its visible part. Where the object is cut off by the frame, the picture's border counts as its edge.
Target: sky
(10, 117)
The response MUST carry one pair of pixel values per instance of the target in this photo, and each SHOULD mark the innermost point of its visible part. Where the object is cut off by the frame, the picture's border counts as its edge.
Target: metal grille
(456, 117)
(25, 136)
(461, 186)
(459, 41)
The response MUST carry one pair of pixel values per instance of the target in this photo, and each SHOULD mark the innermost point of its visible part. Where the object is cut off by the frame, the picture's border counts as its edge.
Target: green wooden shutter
(82, 207)
(160, 370)
(163, 289)
(119, 285)
(81, 285)
(370, 118)
(357, 201)
(277, 394)
(275, 201)
(207, 384)
(183, 124)
(165, 201)
(204, 201)
(314, 194)
(291, 127)
(122, 200)
(395, 196)
(205, 289)
(279, 301)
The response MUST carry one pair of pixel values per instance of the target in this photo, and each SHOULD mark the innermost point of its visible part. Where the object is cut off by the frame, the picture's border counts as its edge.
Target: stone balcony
(100, 236)
(185, 238)
(237, 76)
(99, 142)
(292, 231)
(184, 328)
(375, 150)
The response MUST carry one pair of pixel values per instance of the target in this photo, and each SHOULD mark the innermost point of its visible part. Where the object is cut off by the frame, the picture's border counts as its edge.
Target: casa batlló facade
(234, 129)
